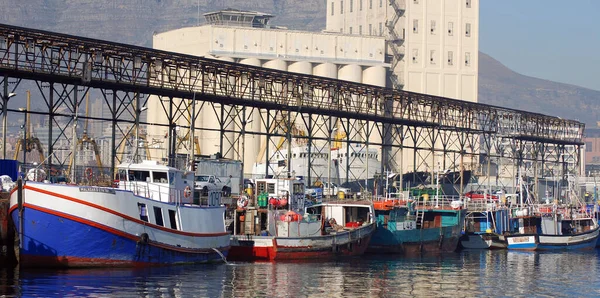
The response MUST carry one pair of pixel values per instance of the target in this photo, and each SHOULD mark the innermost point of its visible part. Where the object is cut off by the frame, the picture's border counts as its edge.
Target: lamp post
(5, 99)
(138, 112)
(24, 127)
(329, 163)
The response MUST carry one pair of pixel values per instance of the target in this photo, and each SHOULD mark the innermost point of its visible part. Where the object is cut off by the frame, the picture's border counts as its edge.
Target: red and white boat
(296, 231)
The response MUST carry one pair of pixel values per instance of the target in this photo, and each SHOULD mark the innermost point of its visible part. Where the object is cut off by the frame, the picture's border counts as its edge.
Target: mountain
(135, 21)
(503, 87)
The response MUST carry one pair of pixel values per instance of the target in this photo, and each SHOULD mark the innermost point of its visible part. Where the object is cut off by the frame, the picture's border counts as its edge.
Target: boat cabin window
(160, 177)
(143, 212)
(271, 187)
(172, 219)
(158, 216)
(261, 186)
(122, 175)
(139, 175)
(298, 188)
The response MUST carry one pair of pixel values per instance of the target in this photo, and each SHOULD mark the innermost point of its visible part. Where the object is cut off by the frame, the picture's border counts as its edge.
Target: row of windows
(158, 216)
(433, 27)
(325, 155)
(372, 31)
(467, 3)
(433, 58)
(360, 5)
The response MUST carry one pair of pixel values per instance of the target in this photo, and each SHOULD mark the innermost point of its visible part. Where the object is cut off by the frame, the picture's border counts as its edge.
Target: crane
(29, 142)
(86, 139)
(181, 140)
(281, 124)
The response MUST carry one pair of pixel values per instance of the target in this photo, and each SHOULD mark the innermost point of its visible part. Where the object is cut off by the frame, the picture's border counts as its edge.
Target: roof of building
(237, 17)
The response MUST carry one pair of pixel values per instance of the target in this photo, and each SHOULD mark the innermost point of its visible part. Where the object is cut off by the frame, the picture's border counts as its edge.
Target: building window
(415, 55)
(450, 58)
(370, 29)
(467, 59)
(450, 28)
(588, 147)
(370, 4)
(415, 26)
(416, 1)
(468, 3)
(342, 7)
(380, 3)
(380, 29)
(351, 5)
(432, 27)
(432, 57)
(468, 29)
(350, 32)
(360, 4)
(359, 29)
(332, 8)
(341, 30)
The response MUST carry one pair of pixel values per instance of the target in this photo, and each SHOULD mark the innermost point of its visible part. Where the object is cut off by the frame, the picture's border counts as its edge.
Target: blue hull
(55, 241)
(589, 245)
(545, 247)
(410, 242)
(583, 244)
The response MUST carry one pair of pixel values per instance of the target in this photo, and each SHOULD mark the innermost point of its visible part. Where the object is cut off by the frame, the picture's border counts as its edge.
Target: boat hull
(56, 231)
(416, 241)
(271, 248)
(533, 242)
(483, 241)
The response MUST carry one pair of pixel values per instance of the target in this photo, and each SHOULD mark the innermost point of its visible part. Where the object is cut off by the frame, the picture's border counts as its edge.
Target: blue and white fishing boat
(148, 218)
(552, 228)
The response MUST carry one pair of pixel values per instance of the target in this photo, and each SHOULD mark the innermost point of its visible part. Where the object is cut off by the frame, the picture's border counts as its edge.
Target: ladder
(420, 214)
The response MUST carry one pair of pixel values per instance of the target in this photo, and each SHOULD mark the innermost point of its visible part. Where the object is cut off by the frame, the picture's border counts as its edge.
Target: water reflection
(470, 274)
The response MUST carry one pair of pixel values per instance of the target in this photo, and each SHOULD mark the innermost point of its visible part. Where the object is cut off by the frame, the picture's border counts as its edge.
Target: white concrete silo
(275, 89)
(352, 73)
(374, 75)
(328, 70)
(211, 139)
(251, 142)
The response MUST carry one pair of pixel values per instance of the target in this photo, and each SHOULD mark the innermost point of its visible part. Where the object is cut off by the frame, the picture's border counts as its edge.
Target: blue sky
(556, 40)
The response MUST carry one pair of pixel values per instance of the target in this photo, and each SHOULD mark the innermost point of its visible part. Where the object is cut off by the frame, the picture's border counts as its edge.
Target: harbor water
(476, 273)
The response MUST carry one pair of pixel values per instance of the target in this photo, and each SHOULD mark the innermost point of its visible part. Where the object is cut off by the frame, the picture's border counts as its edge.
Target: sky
(557, 40)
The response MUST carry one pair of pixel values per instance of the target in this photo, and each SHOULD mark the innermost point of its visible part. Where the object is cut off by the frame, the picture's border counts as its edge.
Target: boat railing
(437, 202)
(157, 192)
(487, 204)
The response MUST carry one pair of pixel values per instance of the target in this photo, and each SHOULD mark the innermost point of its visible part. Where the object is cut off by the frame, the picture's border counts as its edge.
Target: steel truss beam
(439, 133)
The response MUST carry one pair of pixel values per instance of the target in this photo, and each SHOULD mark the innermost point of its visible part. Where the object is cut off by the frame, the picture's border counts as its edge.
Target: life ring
(242, 202)
(187, 192)
(89, 173)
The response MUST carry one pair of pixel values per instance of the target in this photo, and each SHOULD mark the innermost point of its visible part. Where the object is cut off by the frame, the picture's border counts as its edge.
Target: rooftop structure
(239, 18)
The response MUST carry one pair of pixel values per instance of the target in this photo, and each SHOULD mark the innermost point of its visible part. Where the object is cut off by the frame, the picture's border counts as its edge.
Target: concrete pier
(7, 234)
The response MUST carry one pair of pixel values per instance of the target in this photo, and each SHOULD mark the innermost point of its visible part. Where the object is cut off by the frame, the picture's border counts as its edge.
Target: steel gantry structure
(413, 132)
